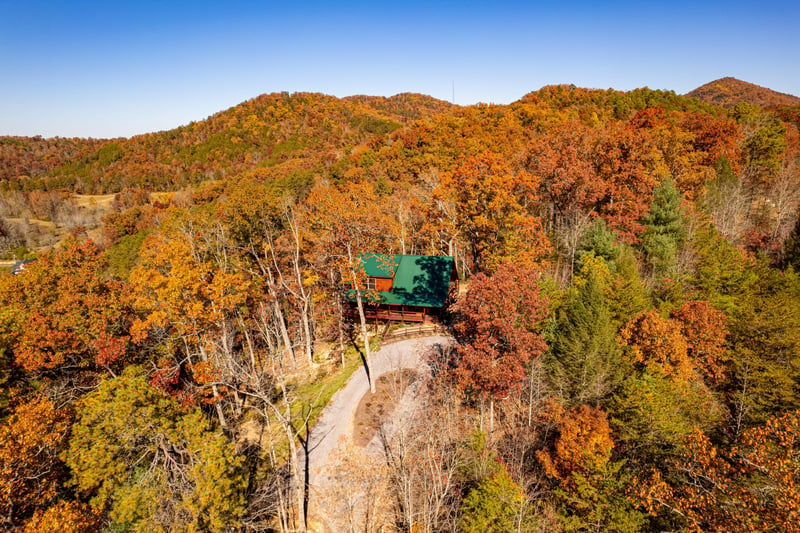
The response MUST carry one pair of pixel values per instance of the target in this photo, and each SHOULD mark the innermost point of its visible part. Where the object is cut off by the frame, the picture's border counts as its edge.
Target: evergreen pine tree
(626, 295)
(496, 505)
(600, 240)
(584, 358)
(665, 231)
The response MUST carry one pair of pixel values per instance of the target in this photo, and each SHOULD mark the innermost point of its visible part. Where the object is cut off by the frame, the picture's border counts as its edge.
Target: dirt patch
(375, 409)
(102, 201)
(44, 224)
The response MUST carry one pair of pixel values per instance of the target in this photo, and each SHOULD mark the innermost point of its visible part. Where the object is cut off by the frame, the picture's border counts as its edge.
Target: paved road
(337, 418)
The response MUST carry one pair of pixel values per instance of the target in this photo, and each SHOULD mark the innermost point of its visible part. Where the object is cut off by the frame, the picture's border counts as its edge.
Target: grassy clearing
(103, 201)
(316, 394)
(43, 224)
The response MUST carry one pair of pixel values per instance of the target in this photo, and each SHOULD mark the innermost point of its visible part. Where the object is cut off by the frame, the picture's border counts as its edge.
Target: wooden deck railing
(414, 331)
(386, 314)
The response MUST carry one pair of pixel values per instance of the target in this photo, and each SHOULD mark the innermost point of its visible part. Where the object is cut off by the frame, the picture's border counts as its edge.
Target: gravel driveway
(337, 418)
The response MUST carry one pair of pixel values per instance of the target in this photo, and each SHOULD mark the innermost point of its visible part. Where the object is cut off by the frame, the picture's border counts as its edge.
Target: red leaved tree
(498, 331)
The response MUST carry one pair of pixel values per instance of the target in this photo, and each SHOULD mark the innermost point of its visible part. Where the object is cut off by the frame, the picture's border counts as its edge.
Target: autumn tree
(657, 344)
(213, 300)
(749, 487)
(679, 156)
(31, 471)
(440, 216)
(495, 209)
(67, 315)
(189, 287)
(151, 463)
(661, 399)
(627, 166)
(705, 330)
(499, 332)
(264, 226)
(66, 517)
(348, 223)
(591, 487)
(562, 158)
(770, 454)
(130, 197)
(696, 490)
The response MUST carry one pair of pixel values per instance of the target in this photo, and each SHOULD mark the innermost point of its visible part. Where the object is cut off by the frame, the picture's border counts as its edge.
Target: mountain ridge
(729, 91)
(295, 136)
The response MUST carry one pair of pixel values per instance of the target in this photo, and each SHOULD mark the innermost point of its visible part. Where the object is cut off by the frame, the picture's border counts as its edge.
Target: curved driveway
(337, 418)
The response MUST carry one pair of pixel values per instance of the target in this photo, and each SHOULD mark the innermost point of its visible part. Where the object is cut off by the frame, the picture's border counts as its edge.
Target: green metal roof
(380, 265)
(421, 280)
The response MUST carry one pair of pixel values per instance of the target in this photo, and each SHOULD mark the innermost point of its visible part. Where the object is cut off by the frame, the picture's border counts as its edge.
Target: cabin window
(370, 284)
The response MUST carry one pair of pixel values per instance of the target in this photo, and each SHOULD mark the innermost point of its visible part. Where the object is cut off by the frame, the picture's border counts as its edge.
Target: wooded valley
(627, 352)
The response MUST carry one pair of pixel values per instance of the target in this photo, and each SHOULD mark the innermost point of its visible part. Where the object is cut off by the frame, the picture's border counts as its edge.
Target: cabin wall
(383, 284)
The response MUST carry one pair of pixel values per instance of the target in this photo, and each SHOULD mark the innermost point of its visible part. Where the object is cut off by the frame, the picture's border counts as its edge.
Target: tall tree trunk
(308, 338)
(341, 330)
(217, 397)
(297, 477)
(300, 293)
(367, 353)
(491, 418)
(281, 322)
(280, 319)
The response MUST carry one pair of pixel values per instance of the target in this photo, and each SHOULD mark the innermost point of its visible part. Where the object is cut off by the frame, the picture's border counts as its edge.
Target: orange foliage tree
(66, 313)
(752, 487)
(31, 471)
(189, 287)
(347, 223)
(563, 160)
(705, 329)
(657, 344)
(589, 485)
(499, 331)
(65, 517)
(495, 209)
(583, 445)
(627, 167)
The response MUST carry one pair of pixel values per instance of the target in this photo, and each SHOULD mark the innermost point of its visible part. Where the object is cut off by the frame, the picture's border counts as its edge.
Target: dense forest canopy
(627, 340)
(728, 92)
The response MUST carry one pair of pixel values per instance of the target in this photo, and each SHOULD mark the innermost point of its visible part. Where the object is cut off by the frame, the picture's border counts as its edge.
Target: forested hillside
(291, 134)
(728, 92)
(627, 351)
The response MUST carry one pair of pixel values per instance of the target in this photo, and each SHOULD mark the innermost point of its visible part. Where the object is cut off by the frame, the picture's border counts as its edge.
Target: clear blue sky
(118, 68)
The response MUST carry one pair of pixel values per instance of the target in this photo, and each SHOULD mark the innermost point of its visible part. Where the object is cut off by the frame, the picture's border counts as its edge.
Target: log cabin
(406, 288)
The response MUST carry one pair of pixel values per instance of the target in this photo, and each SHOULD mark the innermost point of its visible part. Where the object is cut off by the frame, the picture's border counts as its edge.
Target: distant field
(106, 200)
(94, 200)
(43, 224)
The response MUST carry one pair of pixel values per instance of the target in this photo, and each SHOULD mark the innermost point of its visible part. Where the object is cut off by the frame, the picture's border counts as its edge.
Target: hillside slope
(728, 92)
(296, 131)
